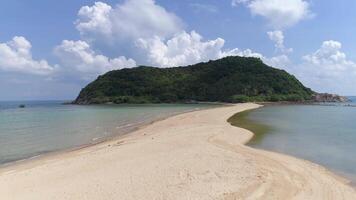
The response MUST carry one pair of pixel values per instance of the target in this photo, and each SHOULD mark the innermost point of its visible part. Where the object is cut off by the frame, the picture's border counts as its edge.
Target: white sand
(196, 155)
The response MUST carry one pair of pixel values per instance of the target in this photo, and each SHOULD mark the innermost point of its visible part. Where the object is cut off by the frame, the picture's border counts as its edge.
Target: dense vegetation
(231, 79)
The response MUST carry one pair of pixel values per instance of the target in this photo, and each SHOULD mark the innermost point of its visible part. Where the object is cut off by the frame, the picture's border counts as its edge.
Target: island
(231, 79)
(191, 155)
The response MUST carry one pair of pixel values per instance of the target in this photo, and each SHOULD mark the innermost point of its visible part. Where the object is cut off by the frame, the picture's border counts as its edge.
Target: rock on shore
(325, 97)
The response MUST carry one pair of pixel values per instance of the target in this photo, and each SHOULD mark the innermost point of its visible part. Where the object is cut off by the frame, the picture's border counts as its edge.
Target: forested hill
(230, 79)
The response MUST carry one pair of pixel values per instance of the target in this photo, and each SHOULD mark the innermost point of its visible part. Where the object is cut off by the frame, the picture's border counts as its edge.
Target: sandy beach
(195, 155)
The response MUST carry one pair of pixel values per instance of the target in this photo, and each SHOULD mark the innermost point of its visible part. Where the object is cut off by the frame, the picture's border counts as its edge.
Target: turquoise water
(47, 126)
(323, 134)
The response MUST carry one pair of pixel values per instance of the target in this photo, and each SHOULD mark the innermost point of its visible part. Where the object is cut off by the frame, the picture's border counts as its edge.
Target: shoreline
(266, 174)
(260, 129)
(107, 139)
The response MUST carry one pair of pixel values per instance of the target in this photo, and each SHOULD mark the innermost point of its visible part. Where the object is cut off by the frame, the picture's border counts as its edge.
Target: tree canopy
(230, 79)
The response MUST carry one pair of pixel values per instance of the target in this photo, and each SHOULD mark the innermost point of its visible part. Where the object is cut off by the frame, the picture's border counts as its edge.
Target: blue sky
(50, 49)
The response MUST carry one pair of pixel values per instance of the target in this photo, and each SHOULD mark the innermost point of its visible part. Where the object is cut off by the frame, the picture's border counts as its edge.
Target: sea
(43, 127)
(324, 134)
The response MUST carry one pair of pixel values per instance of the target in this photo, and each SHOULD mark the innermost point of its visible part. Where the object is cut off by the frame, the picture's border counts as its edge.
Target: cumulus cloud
(78, 56)
(186, 48)
(280, 61)
(16, 56)
(278, 13)
(150, 34)
(95, 20)
(329, 59)
(128, 21)
(327, 68)
(278, 38)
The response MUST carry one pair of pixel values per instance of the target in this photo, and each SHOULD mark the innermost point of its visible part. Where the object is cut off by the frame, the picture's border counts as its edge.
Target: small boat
(22, 106)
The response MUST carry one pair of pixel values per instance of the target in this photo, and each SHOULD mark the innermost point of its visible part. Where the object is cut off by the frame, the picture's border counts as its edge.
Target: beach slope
(196, 155)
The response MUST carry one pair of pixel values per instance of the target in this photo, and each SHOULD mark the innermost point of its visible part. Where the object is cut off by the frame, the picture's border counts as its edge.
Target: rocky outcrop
(325, 97)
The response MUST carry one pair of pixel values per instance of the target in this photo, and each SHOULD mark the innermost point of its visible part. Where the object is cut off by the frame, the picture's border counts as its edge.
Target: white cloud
(329, 59)
(278, 38)
(78, 56)
(242, 53)
(279, 13)
(327, 69)
(186, 48)
(151, 35)
(16, 56)
(280, 61)
(128, 21)
(95, 20)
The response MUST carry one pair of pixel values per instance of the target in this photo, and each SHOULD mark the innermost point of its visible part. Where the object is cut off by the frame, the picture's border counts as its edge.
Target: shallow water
(47, 126)
(323, 134)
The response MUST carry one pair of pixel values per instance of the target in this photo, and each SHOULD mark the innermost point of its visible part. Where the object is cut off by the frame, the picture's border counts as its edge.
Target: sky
(49, 49)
